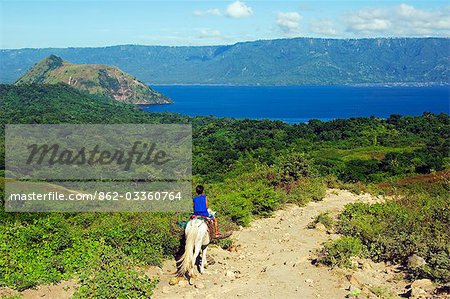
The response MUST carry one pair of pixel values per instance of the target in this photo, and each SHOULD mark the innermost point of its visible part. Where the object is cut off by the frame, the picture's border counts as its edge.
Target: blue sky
(63, 23)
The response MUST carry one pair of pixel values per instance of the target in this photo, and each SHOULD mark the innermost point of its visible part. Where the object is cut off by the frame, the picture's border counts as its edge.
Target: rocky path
(272, 259)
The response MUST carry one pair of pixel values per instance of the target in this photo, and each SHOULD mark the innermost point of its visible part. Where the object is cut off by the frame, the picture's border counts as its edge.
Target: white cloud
(324, 27)
(407, 11)
(208, 12)
(209, 33)
(369, 20)
(235, 10)
(400, 20)
(289, 22)
(238, 9)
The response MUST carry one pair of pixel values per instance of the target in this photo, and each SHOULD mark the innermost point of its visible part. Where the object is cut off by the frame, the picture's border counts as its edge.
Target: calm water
(295, 104)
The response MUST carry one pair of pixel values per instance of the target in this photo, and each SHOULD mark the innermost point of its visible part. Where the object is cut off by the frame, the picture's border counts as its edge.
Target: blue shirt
(200, 207)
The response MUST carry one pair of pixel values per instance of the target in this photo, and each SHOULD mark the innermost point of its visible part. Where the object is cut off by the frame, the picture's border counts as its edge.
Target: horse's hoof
(191, 281)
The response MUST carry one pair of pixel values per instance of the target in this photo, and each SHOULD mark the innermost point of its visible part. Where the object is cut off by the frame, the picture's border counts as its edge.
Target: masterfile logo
(68, 167)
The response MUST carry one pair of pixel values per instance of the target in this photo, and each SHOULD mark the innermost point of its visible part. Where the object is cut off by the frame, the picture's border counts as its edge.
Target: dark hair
(199, 189)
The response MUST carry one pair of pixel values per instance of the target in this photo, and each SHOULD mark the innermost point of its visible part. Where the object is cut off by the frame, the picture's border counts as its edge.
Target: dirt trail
(272, 259)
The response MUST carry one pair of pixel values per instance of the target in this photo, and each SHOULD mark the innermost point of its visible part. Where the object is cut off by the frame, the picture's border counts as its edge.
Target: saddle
(209, 222)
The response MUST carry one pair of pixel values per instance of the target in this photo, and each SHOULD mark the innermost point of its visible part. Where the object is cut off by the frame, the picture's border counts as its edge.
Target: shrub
(224, 243)
(263, 198)
(145, 238)
(331, 181)
(40, 248)
(393, 231)
(360, 171)
(323, 218)
(235, 206)
(112, 280)
(252, 199)
(314, 188)
(339, 252)
(39, 252)
(292, 166)
(306, 190)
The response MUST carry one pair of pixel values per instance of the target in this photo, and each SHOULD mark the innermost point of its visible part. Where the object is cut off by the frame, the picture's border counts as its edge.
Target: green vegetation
(250, 168)
(417, 223)
(325, 219)
(112, 280)
(115, 282)
(296, 61)
(93, 78)
(224, 243)
(339, 252)
(45, 248)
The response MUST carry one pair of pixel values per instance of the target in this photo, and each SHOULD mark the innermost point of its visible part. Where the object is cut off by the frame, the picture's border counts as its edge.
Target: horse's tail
(186, 261)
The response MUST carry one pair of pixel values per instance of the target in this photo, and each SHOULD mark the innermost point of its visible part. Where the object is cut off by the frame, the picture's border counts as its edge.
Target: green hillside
(93, 78)
(296, 61)
(250, 168)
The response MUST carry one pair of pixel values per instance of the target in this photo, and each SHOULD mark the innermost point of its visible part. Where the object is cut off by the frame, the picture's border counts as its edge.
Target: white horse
(197, 238)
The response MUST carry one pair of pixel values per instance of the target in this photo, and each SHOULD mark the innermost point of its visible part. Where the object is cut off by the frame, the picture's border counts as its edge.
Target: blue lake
(295, 104)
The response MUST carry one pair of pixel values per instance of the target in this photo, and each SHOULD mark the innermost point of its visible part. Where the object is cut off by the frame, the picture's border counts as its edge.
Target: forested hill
(94, 79)
(285, 61)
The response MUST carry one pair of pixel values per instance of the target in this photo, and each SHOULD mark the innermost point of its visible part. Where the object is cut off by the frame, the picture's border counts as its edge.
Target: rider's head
(199, 189)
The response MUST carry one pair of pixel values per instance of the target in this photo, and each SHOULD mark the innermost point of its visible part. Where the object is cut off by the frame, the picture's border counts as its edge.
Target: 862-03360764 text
(100, 195)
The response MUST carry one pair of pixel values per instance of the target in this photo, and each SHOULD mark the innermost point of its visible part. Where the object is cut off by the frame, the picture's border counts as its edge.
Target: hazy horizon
(62, 24)
(230, 44)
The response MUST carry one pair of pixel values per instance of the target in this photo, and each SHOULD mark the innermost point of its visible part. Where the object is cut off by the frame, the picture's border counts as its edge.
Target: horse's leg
(198, 245)
(202, 265)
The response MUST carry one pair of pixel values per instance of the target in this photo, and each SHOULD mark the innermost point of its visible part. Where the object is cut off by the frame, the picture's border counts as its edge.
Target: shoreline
(287, 120)
(391, 84)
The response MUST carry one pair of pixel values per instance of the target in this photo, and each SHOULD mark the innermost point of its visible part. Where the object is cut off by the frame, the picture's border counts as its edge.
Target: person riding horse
(197, 235)
(200, 203)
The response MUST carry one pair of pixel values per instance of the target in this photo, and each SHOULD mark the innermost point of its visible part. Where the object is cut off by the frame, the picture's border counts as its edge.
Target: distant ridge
(297, 61)
(93, 78)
